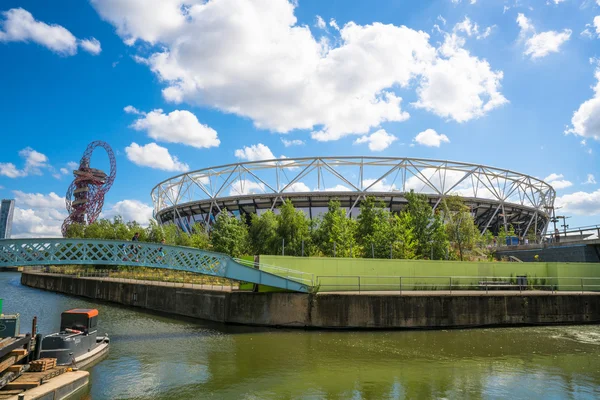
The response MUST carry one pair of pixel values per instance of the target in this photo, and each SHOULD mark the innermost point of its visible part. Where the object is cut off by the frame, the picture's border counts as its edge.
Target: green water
(155, 357)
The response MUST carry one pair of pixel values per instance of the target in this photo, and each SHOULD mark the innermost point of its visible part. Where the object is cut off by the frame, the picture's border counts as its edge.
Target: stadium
(497, 197)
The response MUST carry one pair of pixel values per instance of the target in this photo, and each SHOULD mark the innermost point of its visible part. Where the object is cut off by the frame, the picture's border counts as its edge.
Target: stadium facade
(497, 197)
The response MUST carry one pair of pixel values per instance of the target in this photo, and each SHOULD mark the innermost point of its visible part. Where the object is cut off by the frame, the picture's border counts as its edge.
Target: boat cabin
(79, 319)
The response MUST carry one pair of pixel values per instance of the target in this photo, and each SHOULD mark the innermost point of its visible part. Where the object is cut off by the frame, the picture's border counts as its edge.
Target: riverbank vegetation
(449, 233)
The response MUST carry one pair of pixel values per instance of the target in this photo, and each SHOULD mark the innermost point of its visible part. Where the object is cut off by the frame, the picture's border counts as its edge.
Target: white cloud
(525, 24)
(154, 156)
(179, 126)
(586, 120)
(557, 181)
(591, 180)
(458, 85)
(20, 26)
(297, 187)
(442, 19)
(130, 210)
(538, 45)
(256, 152)
(38, 200)
(377, 141)
(148, 20)
(92, 46)
(34, 163)
(595, 25)
(256, 61)
(336, 188)
(132, 110)
(371, 185)
(466, 26)
(243, 187)
(29, 223)
(11, 171)
(431, 138)
(320, 23)
(289, 143)
(542, 44)
(71, 166)
(580, 203)
(38, 215)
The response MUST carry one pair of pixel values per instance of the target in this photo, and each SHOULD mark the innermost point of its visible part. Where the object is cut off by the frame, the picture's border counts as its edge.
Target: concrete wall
(335, 311)
(339, 274)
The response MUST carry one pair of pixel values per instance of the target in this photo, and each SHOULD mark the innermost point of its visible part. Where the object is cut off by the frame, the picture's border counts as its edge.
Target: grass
(143, 273)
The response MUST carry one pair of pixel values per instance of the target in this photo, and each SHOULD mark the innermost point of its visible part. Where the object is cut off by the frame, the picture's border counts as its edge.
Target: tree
(229, 235)
(427, 227)
(263, 233)
(372, 226)
(76, 231)
(404, 243)
(335, 234)
(199, 238)
(460, 225)
(293, 229)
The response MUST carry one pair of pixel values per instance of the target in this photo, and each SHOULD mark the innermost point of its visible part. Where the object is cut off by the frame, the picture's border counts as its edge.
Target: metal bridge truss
(497, 197)
(34, 252)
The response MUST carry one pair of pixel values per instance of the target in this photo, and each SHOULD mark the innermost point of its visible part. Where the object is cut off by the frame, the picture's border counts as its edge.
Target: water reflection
(156, 357)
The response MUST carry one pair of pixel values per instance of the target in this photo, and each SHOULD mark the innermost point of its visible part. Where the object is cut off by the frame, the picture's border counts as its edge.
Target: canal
(157, 357)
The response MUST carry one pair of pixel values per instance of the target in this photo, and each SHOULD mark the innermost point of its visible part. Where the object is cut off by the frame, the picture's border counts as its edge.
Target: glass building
(6, 218)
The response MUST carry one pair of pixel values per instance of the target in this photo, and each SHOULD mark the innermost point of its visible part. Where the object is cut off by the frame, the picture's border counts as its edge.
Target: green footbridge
(36, 252)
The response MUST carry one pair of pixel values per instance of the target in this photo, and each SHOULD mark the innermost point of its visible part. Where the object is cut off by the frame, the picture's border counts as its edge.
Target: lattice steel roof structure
(497, 197)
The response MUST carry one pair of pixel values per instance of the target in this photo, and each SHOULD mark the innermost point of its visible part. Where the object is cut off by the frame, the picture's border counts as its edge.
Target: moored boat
(77, 343)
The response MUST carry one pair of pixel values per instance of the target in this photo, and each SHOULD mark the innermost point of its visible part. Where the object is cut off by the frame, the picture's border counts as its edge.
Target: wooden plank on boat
(14, 343)
(7, 362)
(15, 368)
(11, 392)
(25, 385)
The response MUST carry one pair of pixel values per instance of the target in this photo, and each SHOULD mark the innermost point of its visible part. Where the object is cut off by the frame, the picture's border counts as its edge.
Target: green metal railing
(362, 283)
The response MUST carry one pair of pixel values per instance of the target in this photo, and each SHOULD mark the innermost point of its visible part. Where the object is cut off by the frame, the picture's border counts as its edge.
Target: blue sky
(511, 84)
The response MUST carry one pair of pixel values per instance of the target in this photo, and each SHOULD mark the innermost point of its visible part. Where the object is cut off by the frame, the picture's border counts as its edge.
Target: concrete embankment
(60, 387)
(335, 311)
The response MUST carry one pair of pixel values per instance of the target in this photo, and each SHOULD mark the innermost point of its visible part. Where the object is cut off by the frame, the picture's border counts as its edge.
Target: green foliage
(76, 231)
(335, 235)
(199, 238)
(229, 235)
(427, 228)
(384, 235)
(263, 233)
(293, 228)
(460, 225)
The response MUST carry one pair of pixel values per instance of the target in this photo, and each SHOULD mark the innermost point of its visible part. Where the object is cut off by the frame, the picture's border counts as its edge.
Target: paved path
(446, 293)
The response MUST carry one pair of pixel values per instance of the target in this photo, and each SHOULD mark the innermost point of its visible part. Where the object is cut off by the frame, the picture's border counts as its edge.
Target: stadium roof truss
(496, 196)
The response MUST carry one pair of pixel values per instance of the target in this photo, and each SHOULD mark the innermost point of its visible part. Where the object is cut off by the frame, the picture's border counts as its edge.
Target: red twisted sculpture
(85, 196)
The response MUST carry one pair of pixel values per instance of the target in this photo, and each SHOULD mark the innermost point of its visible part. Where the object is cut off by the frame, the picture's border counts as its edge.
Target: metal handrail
(281, 271)
(453, 283)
